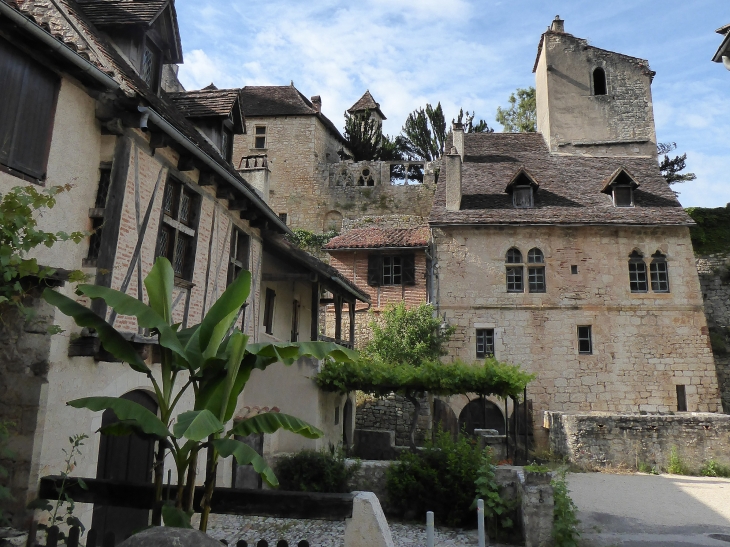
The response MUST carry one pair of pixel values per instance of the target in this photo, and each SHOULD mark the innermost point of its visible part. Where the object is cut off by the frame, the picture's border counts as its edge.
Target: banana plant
(216, 361)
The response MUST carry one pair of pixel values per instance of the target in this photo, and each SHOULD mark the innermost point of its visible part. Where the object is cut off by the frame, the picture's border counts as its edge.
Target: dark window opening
(269, 311)
(514, 256)
(397, 174)
(574, 269)
(599, 81)
(97, 223)
(337, 414)
(227, 144)
(681, 398)
(283, 217)
(260, 138)
(391, 269)
(238, 257)
(522, 197)
(27, 109)
(536, 279)
(485, 343)
(585, 339)
(514, 279)
(637, 273)
(150, 67)
(659, 273)
(623, 196)
(176, 239)
(95, 239)
(295, 321)
(535, 256)
(105, 176)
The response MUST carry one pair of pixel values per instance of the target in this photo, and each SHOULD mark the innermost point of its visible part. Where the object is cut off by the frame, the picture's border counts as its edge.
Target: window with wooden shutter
(27, 109)
(409, 269)
(177, 236)
(375, 270)
(269, 311)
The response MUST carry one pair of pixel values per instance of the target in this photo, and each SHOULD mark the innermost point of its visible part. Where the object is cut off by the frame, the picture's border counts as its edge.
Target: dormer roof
(212, 103)
(366, 102)
(106, 14)
(522, 178)
(724, 49)
(620, 176)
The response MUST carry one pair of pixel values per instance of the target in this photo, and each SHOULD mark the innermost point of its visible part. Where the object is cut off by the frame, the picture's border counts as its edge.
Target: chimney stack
(457, 130)
(558, 24)
(453, 179)
(317, 102)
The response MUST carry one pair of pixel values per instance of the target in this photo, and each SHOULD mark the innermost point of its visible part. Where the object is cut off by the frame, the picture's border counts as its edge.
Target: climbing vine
(711, 235)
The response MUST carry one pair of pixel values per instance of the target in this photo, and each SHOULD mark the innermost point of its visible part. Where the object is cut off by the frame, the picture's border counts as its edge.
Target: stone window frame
(659, 273)
(638, 278)
(584, 335)
(484, 342)
(260, 135)
(536, 272)
(514, 270)
(602, 67)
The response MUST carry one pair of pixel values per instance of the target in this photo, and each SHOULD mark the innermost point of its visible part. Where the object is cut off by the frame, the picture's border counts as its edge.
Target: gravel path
(321, 533)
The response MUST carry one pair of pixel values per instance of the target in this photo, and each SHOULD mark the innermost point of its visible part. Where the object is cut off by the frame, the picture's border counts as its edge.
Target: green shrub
(565, 522)
(497, 511)
(6, 455)
(312, 471)
(677, 465)
(713, 469)
(647, 468)
(439, 478)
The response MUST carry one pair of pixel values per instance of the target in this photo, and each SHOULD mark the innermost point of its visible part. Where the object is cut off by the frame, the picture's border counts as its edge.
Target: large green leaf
(174, 517)
(112, 340)
(125, 410)
(269, 422)
(218, 320)
(159, 284)
(196, 425)
(125, 304)
(287, 353)
(246, 455)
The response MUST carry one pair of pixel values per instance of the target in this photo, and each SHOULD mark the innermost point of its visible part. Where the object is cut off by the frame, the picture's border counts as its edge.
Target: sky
(468, 54)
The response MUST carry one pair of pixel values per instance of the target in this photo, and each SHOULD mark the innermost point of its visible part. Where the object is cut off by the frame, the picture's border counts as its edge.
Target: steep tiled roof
(206, 102)
(569, 192)
(366, 102)
(119, 12)
(376, 237)
(285, 100)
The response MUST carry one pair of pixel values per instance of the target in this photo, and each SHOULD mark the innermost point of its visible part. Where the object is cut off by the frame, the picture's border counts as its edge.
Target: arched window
(637, 272)
(659, 273)
(515, 282)
(599, 81)
(535, 273)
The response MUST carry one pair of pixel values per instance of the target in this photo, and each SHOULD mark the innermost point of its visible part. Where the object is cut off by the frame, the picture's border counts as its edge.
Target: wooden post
(352, 305)
(315, 312)
(338, 319)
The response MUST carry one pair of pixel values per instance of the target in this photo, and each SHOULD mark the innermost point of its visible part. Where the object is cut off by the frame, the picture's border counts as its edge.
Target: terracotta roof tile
(569, 192)
(377, 237)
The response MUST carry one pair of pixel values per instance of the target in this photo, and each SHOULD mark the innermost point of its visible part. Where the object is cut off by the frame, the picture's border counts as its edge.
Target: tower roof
(366, 102)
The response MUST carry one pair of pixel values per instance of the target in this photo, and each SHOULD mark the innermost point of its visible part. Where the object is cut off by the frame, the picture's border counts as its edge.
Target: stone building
(565, 251)
(86, 104)
(367, 103)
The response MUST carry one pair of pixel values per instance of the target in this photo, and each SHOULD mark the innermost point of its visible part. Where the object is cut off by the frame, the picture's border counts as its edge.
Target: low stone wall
(394, 413)
(599, 439)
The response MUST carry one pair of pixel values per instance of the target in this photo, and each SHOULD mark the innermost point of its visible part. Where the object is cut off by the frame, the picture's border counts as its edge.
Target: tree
(521, 115)
(403, 356)
(671, 168)
(366, 140)
(215, 359)
(469, 126)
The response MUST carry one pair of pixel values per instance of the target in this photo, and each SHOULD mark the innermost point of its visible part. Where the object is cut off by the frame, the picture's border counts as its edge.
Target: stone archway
(481, 414)
(130, 459)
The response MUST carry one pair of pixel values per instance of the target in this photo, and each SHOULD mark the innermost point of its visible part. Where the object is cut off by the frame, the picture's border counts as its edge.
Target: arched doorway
(444, 418)
(481, 414)
(130, 459)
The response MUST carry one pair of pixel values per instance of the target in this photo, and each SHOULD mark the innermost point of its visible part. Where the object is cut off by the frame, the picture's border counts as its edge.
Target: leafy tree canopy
(366, 140)
(521, 115)
(671, 169)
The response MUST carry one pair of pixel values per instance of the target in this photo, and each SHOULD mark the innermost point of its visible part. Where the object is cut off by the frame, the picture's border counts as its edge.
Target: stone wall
(714, 272)
(597, 439)
(394, 413)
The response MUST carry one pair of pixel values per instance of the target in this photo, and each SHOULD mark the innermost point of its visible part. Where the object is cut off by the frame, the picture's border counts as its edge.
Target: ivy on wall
(711, 235)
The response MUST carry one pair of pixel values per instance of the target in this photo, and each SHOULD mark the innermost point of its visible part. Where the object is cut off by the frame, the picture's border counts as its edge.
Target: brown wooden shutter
(408, 265)
(27, 111)
(375, 269)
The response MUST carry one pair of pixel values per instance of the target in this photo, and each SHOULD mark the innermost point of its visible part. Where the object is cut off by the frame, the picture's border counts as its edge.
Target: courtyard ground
(637, 510)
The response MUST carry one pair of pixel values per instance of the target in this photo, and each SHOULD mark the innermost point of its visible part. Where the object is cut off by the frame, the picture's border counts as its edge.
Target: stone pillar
(537, 509)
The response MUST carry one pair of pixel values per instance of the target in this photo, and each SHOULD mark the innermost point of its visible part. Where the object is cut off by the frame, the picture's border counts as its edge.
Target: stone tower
(367, 103)
(591, 101)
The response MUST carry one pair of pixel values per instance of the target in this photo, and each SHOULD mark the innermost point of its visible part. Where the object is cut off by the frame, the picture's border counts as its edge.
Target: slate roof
(377, 237)
(366, 102)
(724, 49)
(285, 100)
(206, 103)
(569, 192)
(120, 12)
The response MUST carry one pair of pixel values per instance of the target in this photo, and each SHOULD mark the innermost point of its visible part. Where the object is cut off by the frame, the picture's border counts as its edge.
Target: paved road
(652, 511)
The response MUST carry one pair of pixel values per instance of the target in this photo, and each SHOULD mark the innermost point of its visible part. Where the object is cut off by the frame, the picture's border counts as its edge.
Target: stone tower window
(366, 178)
(260, 137)
(515, 271)
(659, 273)
(536, 270)
(599, 81)
(485, 343)
(637, 273)
(585, 339)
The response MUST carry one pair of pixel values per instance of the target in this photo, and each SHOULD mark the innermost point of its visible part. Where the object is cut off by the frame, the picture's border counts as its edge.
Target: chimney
(457, 130)
(558, 24)
(317, 102)
(453, 179)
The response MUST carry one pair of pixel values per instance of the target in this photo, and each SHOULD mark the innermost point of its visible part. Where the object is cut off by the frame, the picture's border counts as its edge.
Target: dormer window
(620, 186)
(150, 66)
(523, 188)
